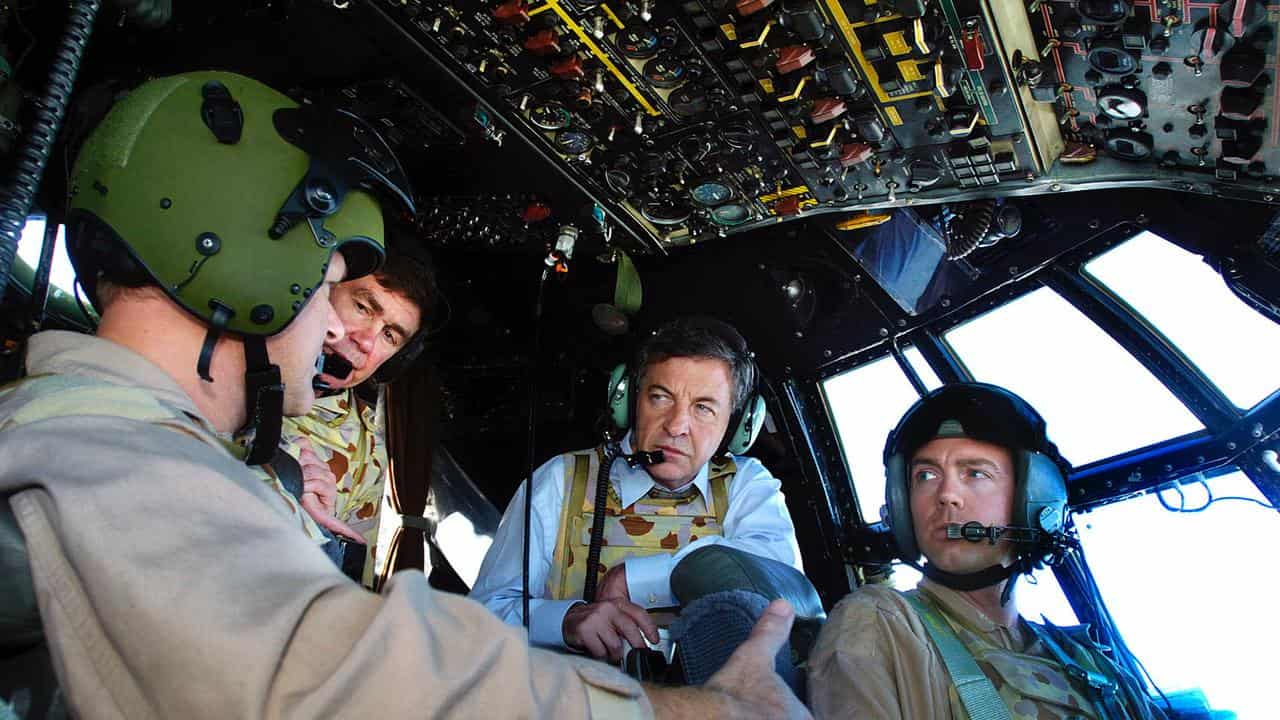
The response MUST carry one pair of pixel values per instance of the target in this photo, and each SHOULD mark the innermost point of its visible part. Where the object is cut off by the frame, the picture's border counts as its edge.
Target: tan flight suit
(347, 434)
(648, 526)
(874, 659)
(171, 583)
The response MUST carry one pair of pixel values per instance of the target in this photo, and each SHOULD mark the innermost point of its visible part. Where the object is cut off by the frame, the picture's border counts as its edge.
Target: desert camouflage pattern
(646, 527)
(1032, 684)
(348, 434)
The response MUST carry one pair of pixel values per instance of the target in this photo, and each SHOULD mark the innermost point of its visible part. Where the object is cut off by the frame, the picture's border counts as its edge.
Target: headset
(745, 422)
(990, 414)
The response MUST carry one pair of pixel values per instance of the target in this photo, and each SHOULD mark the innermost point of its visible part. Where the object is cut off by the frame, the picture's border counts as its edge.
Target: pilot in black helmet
(973, 484)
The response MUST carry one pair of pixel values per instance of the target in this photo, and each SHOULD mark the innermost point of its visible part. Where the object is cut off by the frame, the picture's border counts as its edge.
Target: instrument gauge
(730, 215)
(711, 193)
(550, 116)
(665, 71)
(660, 213)
(638, 43)
(573, 142)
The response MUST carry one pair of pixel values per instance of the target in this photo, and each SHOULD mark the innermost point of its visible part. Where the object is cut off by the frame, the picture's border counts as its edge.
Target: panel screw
(1231, 446)
(165, 203)
(1094, 224)
(295, 288)
(1256, 431)
(208, 244)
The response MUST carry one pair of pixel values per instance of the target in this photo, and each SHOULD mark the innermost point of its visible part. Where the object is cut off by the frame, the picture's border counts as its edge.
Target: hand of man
(320, 494)
(614, 584)
(747, 686)
(598, 628)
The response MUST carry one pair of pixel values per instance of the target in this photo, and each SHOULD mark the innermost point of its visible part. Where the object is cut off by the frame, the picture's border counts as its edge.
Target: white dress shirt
(757, 522)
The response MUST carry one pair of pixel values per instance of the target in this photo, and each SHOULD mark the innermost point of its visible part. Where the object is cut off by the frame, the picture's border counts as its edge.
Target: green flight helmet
(230, 196)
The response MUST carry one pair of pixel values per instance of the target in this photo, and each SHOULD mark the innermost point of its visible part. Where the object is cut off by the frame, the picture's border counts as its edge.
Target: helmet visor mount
(346, 153)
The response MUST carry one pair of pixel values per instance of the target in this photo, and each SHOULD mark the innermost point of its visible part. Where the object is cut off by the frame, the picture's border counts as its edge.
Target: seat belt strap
(1101, 689)
(976, 691)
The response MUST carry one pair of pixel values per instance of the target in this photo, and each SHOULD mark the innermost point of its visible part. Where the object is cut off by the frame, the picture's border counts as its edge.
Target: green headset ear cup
(620, 397)
(748, 429)
(898, 503)
(1040, 501)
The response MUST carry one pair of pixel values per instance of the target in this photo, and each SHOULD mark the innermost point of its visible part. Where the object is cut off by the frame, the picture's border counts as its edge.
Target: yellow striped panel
(894, 116)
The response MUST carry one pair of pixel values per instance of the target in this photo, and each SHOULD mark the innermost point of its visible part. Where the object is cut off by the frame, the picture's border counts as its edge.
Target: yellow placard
(730, 31)
(909, 70)
(897, 43)
(894, 116)
(860, 221)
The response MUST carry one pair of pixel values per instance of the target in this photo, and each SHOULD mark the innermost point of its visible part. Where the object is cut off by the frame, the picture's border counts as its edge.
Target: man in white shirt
(691, 392)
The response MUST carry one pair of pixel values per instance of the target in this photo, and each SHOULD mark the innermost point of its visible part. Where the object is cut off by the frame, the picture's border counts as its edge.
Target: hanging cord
(965, 233)
(611, 453)
(1077, 568)
(1209, 498)
(33, 153)
(533, 412)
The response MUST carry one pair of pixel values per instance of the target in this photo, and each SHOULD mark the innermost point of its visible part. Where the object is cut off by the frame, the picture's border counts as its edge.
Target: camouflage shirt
(348, 434)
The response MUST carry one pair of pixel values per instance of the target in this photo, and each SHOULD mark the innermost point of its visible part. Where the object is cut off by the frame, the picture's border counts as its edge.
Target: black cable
(611, 452)
(40, 283)
(533, 411)
(33, 153)
(965, 233)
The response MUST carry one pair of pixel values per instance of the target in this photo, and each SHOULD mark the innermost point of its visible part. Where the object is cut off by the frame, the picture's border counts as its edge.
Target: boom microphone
(333, 365)
(644, 459)
(977, 532)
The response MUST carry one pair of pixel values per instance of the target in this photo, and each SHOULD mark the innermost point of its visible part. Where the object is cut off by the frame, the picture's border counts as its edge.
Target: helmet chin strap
(264, 400)
(968, 582)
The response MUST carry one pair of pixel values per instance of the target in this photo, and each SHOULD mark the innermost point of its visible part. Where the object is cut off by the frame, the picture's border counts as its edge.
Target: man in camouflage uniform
(966, 453)
(212, 218)
(693, 398)
(340, 445)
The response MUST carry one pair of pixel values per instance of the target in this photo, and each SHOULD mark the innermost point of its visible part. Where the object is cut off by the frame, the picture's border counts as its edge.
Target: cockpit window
(1187, 301)
(61, 275)
(1097, 399)
(865, 404)
(1191, 590)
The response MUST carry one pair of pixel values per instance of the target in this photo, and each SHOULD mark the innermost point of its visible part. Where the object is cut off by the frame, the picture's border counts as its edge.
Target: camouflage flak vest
(647, 527)
(1032, 686)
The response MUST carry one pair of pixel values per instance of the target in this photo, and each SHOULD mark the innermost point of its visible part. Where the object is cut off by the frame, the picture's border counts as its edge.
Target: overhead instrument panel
(697, 119)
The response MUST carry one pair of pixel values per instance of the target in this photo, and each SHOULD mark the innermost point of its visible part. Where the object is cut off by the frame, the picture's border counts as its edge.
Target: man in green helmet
(211, 218)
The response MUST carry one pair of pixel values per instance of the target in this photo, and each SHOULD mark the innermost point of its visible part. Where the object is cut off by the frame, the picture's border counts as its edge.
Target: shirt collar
(959, 607)
(635, 483)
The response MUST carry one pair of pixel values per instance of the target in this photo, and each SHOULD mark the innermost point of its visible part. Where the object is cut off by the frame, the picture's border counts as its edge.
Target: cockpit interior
(1075, 199)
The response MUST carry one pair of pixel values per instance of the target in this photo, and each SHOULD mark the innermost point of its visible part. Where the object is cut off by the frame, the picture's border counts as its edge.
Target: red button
(569, 68)
(855, 154)
(514, 12)
(825, 109)
(750, 7)
(974, 50)
(793, 57)
(543, 42)
(535, 212)
(787, 206)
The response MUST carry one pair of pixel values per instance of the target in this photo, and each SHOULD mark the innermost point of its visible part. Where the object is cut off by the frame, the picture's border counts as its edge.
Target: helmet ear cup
(898, 503)
(744, 432)
(1040, 501)
(619, 400)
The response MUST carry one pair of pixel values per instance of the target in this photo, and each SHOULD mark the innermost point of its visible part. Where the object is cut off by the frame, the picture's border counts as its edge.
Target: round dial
(739, 135)
(638, 42)
(618, 181)
(550, 116)
(711, 192)
(573, 142)
(665, 71)
(661, 213)
(730, 215)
